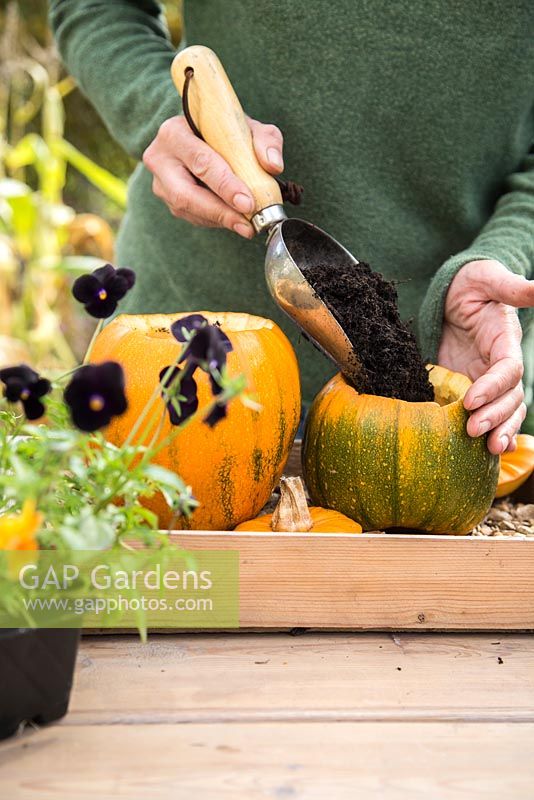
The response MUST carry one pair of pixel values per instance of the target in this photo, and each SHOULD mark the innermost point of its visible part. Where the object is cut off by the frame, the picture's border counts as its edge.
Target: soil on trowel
(365, 305)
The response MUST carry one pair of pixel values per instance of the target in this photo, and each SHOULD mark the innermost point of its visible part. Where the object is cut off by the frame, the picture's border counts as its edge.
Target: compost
(366, 306)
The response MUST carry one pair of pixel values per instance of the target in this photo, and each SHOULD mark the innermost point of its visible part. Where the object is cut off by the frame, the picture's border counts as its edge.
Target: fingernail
(242, 202)
(484, 427)
(479, 400)
(243, 230)
(274, 158)
(505, 441)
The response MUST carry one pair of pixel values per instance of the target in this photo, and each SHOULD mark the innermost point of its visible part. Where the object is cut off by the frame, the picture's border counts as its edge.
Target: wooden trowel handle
(217, 113)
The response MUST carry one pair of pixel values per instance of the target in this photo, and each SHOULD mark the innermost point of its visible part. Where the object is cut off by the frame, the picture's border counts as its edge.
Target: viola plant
(25, 385)
(101, 291)
(205, 347)
(62, 485)
(95, 395)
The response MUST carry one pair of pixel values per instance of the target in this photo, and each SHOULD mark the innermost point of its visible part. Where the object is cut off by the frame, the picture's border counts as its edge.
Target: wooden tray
(379, 581)
(409, 582)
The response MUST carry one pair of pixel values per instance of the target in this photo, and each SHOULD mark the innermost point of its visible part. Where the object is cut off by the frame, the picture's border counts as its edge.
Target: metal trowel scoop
(292, 244)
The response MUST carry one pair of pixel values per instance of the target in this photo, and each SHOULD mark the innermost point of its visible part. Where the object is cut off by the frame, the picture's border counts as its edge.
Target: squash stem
(292, 513)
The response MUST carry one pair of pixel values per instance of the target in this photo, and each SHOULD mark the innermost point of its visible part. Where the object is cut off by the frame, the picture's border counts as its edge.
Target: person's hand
(482, 339)
(178, 160)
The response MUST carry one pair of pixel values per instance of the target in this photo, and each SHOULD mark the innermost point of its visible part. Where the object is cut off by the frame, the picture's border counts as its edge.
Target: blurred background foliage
(83, 127)
(62, 191)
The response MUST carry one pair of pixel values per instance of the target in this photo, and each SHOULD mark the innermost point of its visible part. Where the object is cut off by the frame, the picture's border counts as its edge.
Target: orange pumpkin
(292, 515)
(234, 466)
(517, 467)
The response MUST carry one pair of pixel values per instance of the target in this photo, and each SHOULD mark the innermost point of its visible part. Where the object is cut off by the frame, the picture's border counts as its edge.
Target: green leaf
(21, 202)
(112, 187)
(177, 495)
(22, 471)
(165, 477)
(78, 467)
(88, 531)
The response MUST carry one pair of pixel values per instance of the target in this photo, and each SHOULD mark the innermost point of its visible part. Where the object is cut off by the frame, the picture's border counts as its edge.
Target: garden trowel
(215, 114)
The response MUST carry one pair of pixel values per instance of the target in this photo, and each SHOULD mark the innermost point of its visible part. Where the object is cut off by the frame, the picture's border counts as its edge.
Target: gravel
(506, 519)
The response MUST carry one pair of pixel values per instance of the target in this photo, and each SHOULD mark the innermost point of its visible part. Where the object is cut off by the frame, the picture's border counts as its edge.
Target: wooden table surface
(278, 716)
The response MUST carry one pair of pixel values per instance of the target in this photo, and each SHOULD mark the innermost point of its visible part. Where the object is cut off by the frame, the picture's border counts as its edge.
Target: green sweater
(409, 123)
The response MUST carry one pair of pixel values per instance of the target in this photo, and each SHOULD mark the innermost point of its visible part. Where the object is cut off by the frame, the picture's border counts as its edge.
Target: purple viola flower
(101, 290)
(207, 344)
(218, 412)
(179, 392)
(184, 327)
(206, 348)
(22, 384)
(95, 395)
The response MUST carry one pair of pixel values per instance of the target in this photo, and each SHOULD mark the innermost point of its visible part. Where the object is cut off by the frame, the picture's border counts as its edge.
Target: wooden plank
(465, 761)
(247, 677)
(408, 582)
(379, 582)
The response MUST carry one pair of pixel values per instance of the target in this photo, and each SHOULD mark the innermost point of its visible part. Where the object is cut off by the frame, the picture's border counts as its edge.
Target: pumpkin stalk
(292, 513)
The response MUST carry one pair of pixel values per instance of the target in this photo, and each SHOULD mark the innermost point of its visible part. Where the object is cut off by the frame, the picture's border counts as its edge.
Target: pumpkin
(516, 467)
(389, 463)
(292, 515)
(234, 466)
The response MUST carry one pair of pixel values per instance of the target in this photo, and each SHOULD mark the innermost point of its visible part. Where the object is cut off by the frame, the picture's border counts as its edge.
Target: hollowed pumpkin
(292, 515)
(516, 467)
(391, 464)
(234, 466)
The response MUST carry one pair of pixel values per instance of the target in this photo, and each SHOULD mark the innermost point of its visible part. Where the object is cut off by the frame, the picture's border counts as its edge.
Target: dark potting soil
(365, 305)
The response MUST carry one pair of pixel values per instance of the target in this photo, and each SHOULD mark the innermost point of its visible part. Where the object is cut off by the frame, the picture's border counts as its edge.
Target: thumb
(506, 287)
(268, 143)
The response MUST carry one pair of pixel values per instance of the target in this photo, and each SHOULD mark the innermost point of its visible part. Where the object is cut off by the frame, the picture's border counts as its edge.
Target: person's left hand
(481, 338)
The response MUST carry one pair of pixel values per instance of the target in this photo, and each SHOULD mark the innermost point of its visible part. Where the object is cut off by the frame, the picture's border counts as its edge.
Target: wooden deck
(278, 716)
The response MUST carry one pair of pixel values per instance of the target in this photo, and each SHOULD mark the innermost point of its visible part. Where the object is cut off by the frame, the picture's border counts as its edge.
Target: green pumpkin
(387, 463)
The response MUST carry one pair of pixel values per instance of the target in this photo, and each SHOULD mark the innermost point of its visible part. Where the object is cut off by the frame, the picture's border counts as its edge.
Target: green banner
(141, 589)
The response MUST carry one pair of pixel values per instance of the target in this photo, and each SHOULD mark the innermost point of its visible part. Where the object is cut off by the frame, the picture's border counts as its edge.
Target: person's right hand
(178, 160)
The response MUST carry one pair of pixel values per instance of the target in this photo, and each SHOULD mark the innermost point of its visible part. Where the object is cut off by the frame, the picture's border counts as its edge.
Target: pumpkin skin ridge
(473, 480)
(464, 519)
(358, 494)
(276, 457)
(441, 484)
(395, 468)
(345, 455)
(362, 439)
(321, 498)
(143, 345)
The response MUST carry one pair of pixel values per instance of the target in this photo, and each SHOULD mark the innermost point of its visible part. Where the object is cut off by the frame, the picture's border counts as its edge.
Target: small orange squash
(292, 515)
(233, 467)
(516, 467)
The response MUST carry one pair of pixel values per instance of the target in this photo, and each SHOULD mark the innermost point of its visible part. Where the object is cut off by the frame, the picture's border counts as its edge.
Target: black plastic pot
(36, 668)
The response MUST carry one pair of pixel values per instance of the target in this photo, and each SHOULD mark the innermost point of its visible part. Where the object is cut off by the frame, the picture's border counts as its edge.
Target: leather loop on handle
(218, 115)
